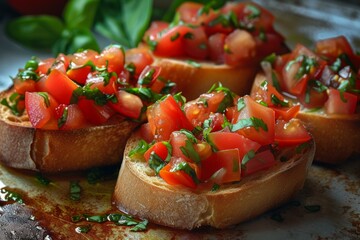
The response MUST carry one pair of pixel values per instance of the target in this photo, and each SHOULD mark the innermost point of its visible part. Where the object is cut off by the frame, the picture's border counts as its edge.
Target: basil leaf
(75, 191)
(124, 21)
(141, 226)
(83, 229)
(156, 163)
(43, 180)
(184, 166)
(249, 122)
(190, 152)
(248, 156)
(80, 13)
(140, 149)
(35, 31)
(72, 40)
(11, 196)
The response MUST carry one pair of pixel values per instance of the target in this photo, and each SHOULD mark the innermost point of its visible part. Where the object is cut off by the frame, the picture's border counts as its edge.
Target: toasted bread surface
(337, 136)
(139, 192)
(24, 147)
(194, 79)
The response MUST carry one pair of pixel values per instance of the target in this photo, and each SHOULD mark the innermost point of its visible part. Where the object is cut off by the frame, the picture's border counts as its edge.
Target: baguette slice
(192, 80)
(24, 147)
(337, 136)
(139, 192)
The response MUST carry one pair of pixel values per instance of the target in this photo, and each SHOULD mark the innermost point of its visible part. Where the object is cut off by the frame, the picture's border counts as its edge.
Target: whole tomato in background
(37, 7)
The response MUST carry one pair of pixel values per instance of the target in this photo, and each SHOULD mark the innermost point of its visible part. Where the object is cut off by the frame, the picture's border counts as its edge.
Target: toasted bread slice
(194, 79)
(139, 192)
(337, 136)
(24, 147)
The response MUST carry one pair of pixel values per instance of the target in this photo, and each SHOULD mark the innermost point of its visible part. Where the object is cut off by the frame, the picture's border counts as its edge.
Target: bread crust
(337, 136)
(193, 80)
(24, 147)
(142, 194)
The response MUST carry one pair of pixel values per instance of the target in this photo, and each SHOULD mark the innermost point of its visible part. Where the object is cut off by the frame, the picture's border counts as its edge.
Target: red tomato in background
(37, 7)
(261, 161)
(127, 104)
(290, 133)
(338, 105)
(239, 48)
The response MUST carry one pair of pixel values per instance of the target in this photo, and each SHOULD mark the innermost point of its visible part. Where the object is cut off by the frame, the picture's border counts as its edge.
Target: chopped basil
(184, 166)
(342, 88)
(270, 58)
(227, 101)
(263, 103)
(226, 20)
(317, 86)
(240, 104)
(146, 94)
(32, 64)
(202, 101)
(141, 226)
(189, 35)
(174, 37)
(336, 65)
(92, 94)
(257, 123)
(255, 11)
(83, 229)
(131, 68)
(193, 63)
(14, 99)
(189, 151)
(63, 118)
(262, 35)
(140, 149)
(45, 96)
(75, 191)
(277, 102)
(28, 74)
(156, 163)
(151, 43)
(189, 135)
(275, 81)
(179, 98)
(248, 156)
(347, 60)
(43, 180)
(98, 218)
(147, 78)
(77, 218)
(12, 196)
(312, 208)
(215, 187)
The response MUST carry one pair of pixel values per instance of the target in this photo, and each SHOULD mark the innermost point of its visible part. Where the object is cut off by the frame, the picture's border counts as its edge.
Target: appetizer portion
(76, 111)
(215, 161)
(203, 46)
(325, 83)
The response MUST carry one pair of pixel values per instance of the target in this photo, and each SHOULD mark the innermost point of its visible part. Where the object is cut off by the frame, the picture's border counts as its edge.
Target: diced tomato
(223, 167)
(286, 113)
(81, 58)
(127, 104)
(166, 117)
(96, 80)
(240, 48)
(261, 161)
(159, 149)
(230, 140)
(333, 47)
(45, 65)
(178, 141)
(171, 42)
(79, 74)
(196, 43)
(268, 43)
(113, 57)
(340, 103)
(40, 108)
(22, 86)
(216, 44)
(313, 98)
(178, 177)
(94, 113)
(156, 27)
(216, 121)
(140, 57)
(198, 110)
(268, 94)
(149, 75)
(264, 116)
(189, 12)
(60, 86)
(145, 133)
(290, 133)
(70, 117)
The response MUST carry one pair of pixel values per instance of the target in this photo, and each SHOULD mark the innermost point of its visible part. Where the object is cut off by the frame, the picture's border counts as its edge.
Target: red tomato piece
(127, 104)
(333, 47)
(178, 141)
(230, 140)
(22, 86)
(79, 74)
(290, 133)
(340, 103)
(40, 108)
(178, 177)
(286, 113)
(73, 117)
(240, 48)
(166, 117)
(216, 44)
(60, 86)
(261, 161)
(264, 118)
(93, 113)
(45, 65)
(196, 43)
(96, 80)
(156, 27)
(140, 57)
(159, 149)
(149, 75)
(223, 167)
(113, 57)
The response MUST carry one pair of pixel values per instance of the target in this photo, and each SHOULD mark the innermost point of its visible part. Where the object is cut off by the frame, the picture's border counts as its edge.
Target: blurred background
(303, 21)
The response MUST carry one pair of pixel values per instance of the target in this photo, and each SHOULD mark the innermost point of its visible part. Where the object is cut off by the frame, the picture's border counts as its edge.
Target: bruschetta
(215, 161)
(325, 84)
(203, 46)
(76, 111)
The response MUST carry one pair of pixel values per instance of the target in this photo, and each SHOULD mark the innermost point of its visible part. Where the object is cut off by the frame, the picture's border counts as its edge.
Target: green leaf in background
(73, 40)
(35, 31)
(80, 13)
(124, 21)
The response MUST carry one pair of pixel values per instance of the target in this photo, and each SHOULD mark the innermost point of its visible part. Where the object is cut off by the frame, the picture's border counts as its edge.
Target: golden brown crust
(337, 137)
(192, 80)
(140, 193)
(24, 147)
